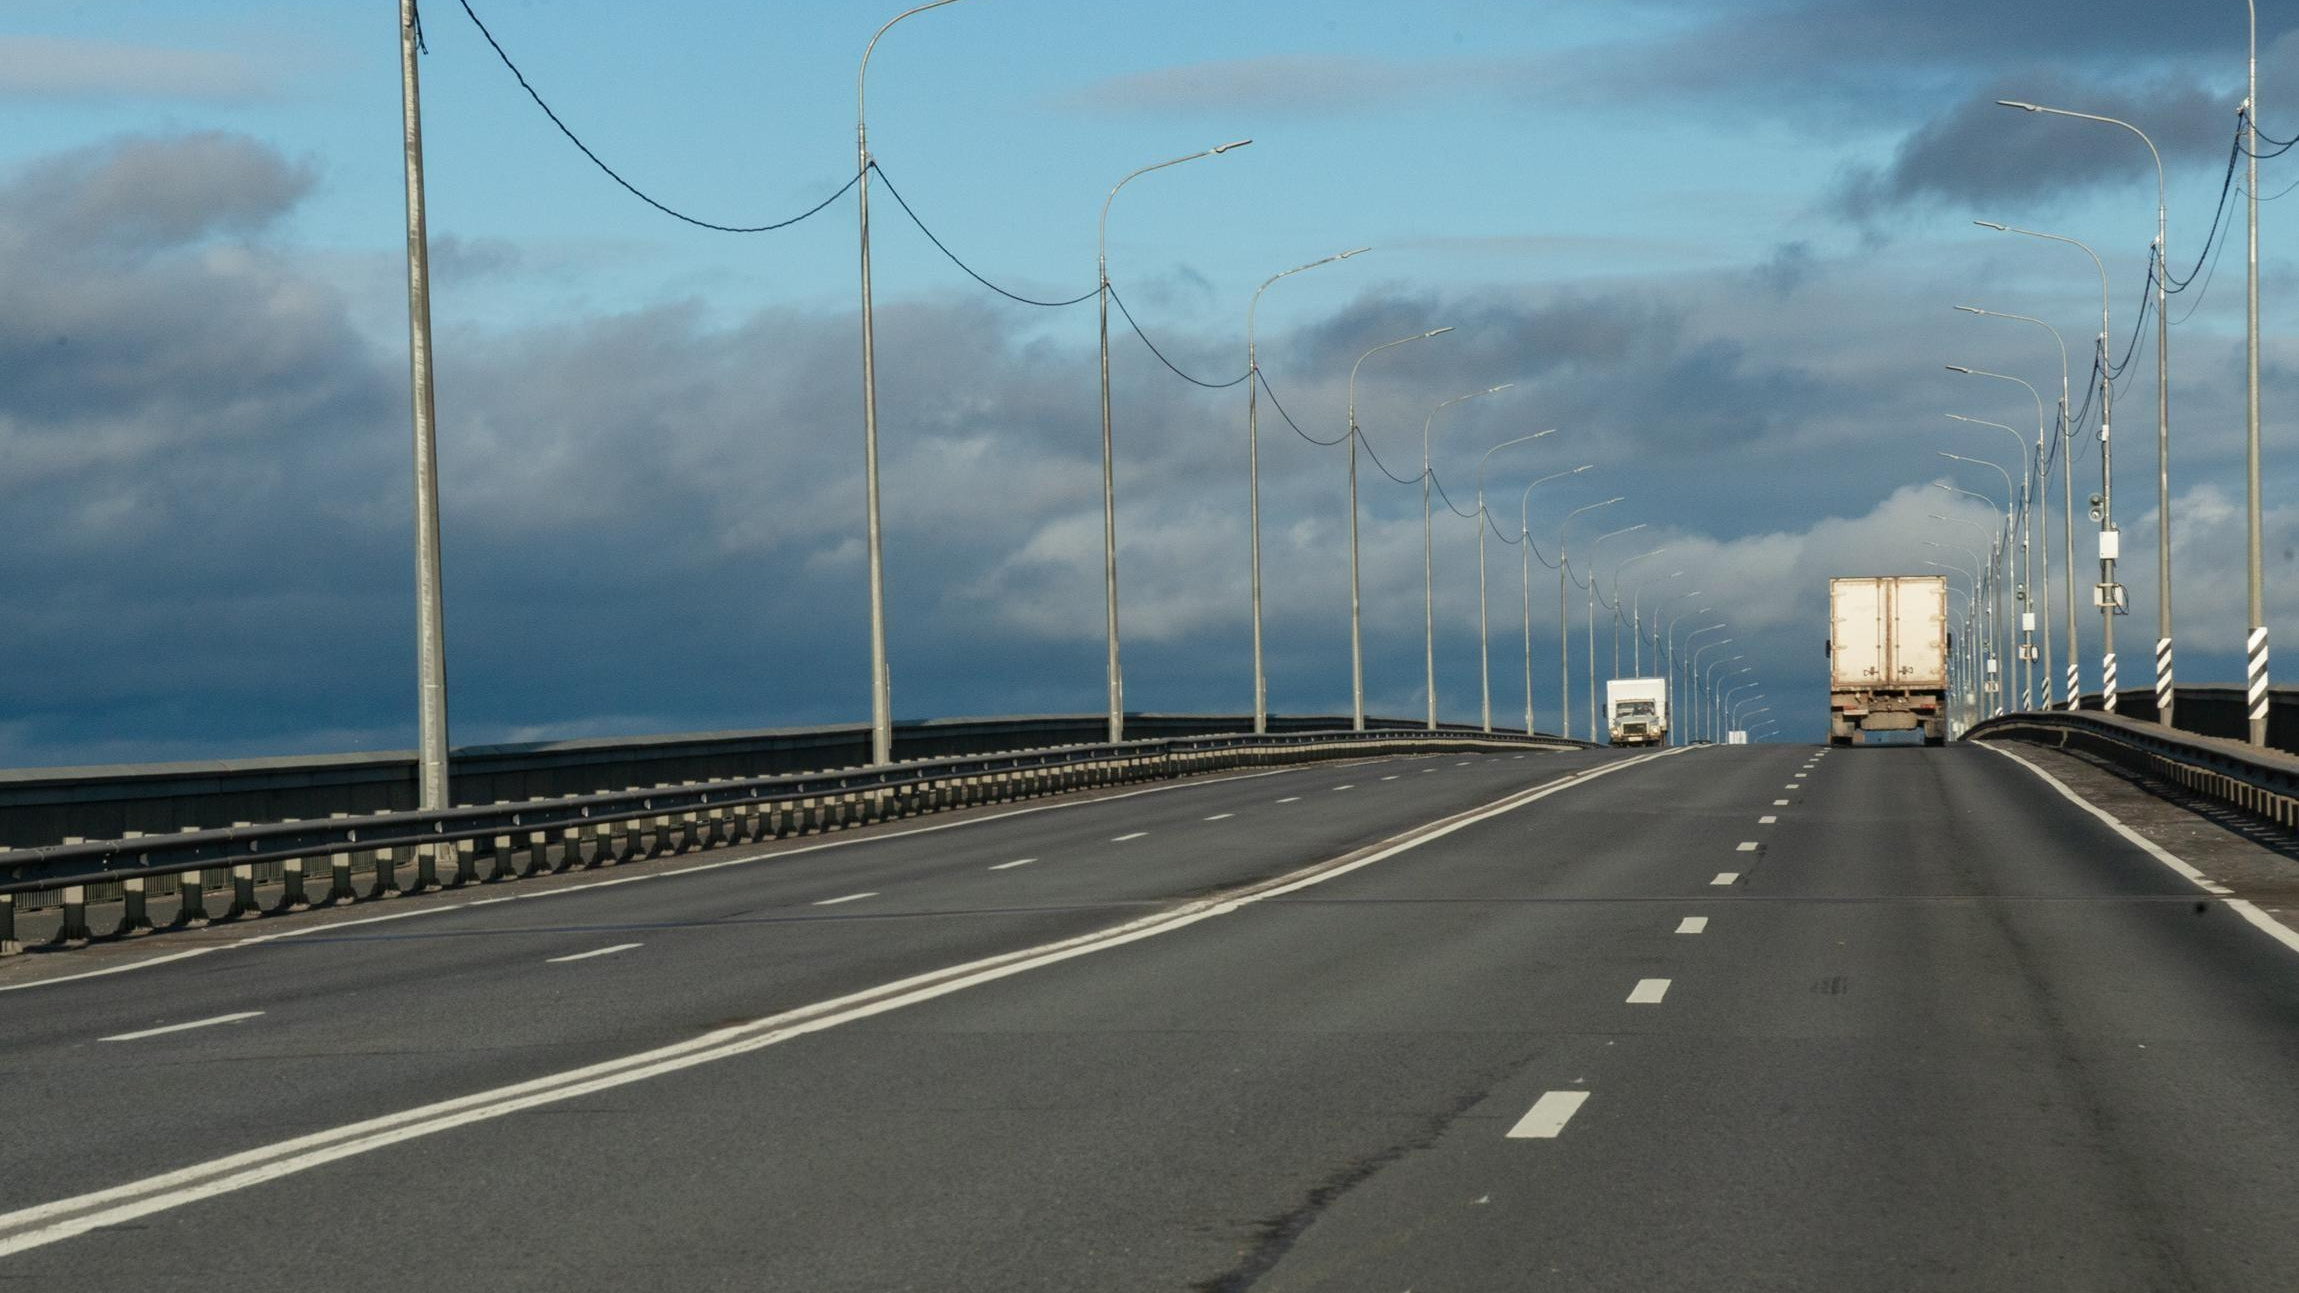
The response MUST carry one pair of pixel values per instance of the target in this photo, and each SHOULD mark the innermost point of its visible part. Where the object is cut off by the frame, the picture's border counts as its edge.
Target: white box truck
(1636, 710)
(1887, 657)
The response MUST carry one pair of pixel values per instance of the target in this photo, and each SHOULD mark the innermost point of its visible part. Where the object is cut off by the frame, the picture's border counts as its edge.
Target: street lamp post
(1484, 658)
(1636, 620)
(2255, 642)
(1429, 560)
(1564, 621)
(1692, 678)
(2027, 615)
(881, 696)
(1992, 585)
(2067, 504)
(1525, 533)
(2162, 276)
(1253, 474)
(1356, 638)
(1713, 682)
(2012, 575)
(1685, 700)
(1616, 615)
(1114, 681)
(430, 599)
(2108, 593)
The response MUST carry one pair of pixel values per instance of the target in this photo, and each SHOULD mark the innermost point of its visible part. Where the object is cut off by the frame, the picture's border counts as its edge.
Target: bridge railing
(497, 842)
(2263, 783)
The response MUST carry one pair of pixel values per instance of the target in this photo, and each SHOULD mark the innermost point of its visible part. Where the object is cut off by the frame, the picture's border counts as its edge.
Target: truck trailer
(1887, 657)
(1636, 710)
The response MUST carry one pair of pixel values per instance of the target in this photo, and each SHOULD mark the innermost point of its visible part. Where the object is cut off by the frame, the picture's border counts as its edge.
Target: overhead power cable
(1198, 381)
(944, 248)
(612, 174)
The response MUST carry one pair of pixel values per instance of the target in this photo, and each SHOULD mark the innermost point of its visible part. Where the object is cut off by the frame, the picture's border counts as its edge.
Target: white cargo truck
(1887, 657)
(1636, 710)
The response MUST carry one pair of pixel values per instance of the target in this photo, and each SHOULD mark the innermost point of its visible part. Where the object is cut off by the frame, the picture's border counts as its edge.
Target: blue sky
(1715, 244)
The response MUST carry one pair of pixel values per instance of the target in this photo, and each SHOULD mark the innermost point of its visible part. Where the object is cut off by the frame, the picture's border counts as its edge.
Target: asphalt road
(1930, 1026)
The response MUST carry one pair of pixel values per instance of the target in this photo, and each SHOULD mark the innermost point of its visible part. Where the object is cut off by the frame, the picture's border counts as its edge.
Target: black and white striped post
(2255, 690)
(2075, 686)
(2163, 697)
(2107, 682)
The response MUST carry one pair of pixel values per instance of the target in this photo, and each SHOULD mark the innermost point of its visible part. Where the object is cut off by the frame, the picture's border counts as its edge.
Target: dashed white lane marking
(1221, 817)
(1462, 764)
(1726, 877)
(1692, 925)
(852, 897)
(1748, 846)
(1351, 786)
(1290, 799)
(1791, 786)
(1779, 803)
(1390, 777)
(1428, 769)
(1008, 866)
(179, 1028)
(596, 951)
(1766, 820)
(1802, 775)
(1648, 992)
(1548, 1115)
(1129, 835)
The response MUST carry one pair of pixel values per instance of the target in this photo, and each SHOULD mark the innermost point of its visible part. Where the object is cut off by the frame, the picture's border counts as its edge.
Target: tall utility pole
(881, 698)
(430, 608)
(2255, 645)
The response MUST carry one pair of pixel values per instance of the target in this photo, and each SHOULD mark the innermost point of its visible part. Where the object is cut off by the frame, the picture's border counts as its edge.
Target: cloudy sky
(1715, 244)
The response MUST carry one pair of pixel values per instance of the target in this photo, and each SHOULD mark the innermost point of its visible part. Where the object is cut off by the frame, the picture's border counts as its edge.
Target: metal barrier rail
(2262, 783)
(544, 836)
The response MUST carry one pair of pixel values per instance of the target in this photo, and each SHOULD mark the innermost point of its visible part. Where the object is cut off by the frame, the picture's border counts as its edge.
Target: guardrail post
(191, 896)
(466, 854)
(339, 887)
(135, 914)
(292, 895)
(8, 944)
(242, 889)
(386, 875)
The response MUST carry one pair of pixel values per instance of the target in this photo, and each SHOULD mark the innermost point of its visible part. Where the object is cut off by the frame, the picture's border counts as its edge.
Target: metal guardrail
(499, 842)
(2260, 782)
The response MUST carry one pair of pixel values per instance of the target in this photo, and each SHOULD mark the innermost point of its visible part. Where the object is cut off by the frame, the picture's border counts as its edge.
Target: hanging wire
(1198, 381)
(633, 189)
(944, 248)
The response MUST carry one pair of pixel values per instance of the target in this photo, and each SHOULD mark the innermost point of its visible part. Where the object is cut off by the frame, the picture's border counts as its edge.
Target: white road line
(1648, 992)
(1748, 846)
(1462, 764)
(1008, 866)
(1791, 786)
(585, 956)
(2150, 847)
(1766, 821)
(1221, 817)
(1779, 803)
(1290, 799)
(178, 1028)
(1692, 925)
(1548, 1115)
(1391, 777)
(1129, 835)
(1428, 769)
(1802, 775)
(1726, 877)
(61, 1219)
(852, 897)
(1351, 786)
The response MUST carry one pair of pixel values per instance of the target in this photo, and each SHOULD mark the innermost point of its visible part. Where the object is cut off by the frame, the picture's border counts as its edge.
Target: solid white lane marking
(1290, 799)
(2146, 845)
(1766, 820)
(1548, 1115)
(61, 1219)
(1008, 866)
(585, 956)
(1221, 817)
(1129, 835)
(1779, 803)
(1748, 846)
(180, 1028)
(1648, 992)
(1725, 877)
(1692, 925)
(852, 897)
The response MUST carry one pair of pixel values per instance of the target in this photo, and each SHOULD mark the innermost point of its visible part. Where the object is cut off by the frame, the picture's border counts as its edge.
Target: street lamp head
(2015, 103)
(1219, 149)
(1990, 224)
(1495, 390)
(1971, 309)
(1437, 332)
(1537, 434)
(1353, 251)
(1957, 368)
(1583, 467)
